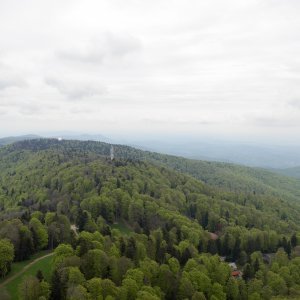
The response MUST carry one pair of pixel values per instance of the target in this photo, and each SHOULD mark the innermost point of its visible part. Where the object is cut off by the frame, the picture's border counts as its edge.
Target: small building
(237, 274)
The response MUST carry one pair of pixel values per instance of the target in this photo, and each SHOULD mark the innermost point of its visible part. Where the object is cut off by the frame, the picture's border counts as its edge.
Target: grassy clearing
(12, 287)
(18, 266)
(122, 227)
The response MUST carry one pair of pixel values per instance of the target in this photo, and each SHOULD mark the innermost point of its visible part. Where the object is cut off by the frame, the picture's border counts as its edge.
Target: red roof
(235, 273)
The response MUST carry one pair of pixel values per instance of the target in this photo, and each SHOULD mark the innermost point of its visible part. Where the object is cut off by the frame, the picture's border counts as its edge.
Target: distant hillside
(12, 139)
(293, 172)
(23, 164)
(265, 156)
(83, 137)
(228, 177)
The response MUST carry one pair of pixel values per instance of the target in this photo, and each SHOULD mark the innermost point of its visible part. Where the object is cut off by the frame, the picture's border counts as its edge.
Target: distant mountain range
(270, 157)
(67, 136)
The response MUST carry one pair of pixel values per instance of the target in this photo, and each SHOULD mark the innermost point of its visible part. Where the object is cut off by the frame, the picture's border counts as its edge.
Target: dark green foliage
(248, 272)
(294, 240)
(39, 275)
(56, 289)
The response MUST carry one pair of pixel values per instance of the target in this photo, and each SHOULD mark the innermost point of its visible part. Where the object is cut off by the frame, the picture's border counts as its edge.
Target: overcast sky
(223, 68)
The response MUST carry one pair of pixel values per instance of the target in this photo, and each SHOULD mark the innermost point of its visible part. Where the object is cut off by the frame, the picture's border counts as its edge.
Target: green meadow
(12, 286)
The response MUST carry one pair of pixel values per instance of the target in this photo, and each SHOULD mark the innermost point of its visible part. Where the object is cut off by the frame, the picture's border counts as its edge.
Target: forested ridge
(12, 139)
(227, 176)
(135, 228)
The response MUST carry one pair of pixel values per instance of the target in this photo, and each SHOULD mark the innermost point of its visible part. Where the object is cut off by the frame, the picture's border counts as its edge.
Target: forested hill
(141, 230)
(229, 177)
(38, 163)
(12, 139)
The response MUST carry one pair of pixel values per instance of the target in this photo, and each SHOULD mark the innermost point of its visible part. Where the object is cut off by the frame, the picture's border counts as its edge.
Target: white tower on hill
(112, 153)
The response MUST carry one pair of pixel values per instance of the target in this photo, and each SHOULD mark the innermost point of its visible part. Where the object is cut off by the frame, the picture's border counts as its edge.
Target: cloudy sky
(223, 68)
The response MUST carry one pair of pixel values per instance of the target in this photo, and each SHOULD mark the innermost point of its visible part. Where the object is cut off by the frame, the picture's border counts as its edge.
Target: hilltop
(226, 176)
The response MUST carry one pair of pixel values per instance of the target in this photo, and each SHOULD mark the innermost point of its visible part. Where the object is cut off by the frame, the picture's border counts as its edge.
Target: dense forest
(229, 177)
(145, 225)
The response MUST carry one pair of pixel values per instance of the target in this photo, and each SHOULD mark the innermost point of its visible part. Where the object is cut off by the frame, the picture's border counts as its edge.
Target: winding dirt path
(24, 269)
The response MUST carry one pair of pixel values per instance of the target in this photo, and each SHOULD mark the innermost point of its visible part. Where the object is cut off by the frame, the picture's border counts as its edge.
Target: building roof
(236, 273)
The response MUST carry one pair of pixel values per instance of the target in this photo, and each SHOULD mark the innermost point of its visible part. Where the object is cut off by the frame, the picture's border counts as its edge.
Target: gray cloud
(9, 79)
(25, 107)
(7, 83)
(275, 122)
(76, 90)
(105, 47)
(294, 103)
(30, 109)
